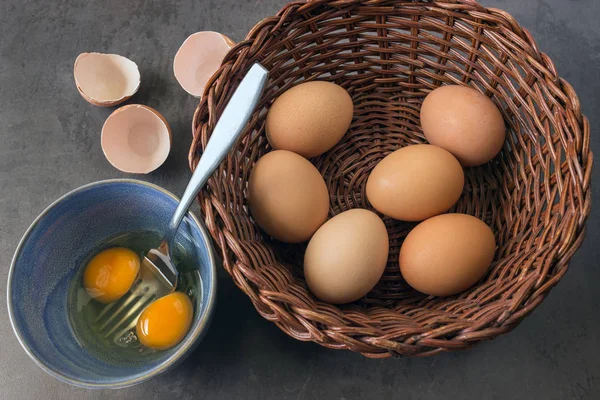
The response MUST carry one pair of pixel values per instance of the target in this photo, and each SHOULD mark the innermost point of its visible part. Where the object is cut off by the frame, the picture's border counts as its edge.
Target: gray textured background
(50, 144)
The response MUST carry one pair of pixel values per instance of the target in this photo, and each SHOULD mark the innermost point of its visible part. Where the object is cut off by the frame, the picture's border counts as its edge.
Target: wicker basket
(389, 55)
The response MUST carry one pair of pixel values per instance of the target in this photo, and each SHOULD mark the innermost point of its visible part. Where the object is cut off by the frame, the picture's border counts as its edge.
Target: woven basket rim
(365, 334)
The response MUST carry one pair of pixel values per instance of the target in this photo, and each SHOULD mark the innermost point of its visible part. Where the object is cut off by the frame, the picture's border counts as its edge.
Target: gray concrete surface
(50, 143)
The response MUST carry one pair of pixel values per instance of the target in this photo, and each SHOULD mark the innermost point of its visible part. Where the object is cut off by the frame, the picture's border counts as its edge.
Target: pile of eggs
(346, 255)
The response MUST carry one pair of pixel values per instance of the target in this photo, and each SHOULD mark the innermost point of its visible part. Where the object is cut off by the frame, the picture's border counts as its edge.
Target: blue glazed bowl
(51, 254)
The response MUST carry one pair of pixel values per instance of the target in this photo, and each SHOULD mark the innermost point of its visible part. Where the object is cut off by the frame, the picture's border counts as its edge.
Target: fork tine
(114, 314)
(109, 307)
(133, 310)
(132, 323)
(106, 309)
(117, 318)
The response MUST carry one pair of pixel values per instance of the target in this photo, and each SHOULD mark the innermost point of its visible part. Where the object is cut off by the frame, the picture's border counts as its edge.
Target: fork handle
(229, 127)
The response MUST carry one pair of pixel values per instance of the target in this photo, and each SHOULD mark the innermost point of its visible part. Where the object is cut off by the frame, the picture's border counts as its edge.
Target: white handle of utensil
(229, 127)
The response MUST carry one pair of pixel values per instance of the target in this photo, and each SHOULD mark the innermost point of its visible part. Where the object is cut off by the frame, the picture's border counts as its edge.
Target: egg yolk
(165, 322)
(110, 274)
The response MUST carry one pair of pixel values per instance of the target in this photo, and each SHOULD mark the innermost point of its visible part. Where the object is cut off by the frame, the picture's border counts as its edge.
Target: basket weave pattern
(389, 55)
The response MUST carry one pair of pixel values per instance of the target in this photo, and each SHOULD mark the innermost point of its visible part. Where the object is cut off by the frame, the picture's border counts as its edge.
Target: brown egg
(447, 254)
(465, 122)
(310, 118)
(346, 257)
(415, 183)
(288, 197)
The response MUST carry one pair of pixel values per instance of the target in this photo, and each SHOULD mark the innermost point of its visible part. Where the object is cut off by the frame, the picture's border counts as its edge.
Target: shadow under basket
(389, 55)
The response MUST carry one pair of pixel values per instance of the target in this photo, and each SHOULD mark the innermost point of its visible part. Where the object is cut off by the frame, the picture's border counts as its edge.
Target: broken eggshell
(136, 139)
(198, 58)
(106, 80)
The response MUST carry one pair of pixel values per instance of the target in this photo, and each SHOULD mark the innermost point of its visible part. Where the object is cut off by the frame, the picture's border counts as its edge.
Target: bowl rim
(172, 359)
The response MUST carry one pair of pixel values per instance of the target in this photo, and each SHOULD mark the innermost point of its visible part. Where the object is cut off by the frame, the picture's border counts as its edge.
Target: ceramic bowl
(53, 251)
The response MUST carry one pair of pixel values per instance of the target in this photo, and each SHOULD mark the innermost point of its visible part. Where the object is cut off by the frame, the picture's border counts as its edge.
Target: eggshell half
(198, 58)
(136, 139)
(106, 80)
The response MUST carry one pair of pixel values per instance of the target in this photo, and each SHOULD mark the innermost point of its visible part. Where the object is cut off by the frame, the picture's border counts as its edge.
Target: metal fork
(158, 276)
